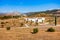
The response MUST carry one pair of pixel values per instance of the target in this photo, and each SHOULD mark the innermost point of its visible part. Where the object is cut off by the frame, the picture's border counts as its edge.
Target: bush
(6, 17)
(8, 28)
(51, 30)
(2, 26)
(35, 30)
(6, 22)
(2, 22)
(21, 24)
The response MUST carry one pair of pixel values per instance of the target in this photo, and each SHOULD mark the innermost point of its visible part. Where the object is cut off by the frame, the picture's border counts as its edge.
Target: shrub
(2, 22)
(16, 16)
(6, 17)
(8, 28)
(6, 22)
(2, 26)
(51, 30)
(21, 24)
(35, 30)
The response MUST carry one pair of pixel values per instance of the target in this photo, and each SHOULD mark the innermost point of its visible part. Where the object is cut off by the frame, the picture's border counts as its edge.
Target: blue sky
(24, 6)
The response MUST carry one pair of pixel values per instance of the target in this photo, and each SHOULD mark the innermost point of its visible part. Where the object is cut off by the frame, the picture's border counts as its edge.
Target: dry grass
(17, 33)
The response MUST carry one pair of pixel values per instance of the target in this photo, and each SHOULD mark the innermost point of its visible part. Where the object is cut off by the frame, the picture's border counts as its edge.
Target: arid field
(17, 33)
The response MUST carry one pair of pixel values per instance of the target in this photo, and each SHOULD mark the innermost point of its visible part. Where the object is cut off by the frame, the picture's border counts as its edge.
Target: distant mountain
(55, 11)
(33, 14)
(12, 14)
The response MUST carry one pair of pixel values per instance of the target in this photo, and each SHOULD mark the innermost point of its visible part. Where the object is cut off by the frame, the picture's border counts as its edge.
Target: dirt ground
(18, 33)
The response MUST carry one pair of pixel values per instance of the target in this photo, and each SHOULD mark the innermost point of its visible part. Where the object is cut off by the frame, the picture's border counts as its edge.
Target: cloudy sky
(24, 6)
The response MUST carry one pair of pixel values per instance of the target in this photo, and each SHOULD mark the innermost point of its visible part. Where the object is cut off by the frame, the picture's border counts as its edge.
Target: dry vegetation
(17, 32)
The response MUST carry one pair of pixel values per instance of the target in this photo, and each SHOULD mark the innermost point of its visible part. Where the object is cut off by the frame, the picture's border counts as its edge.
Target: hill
(46, 13)
(11, 15)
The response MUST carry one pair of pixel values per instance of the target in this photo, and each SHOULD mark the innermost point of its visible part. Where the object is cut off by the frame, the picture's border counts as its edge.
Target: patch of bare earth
(17, 33)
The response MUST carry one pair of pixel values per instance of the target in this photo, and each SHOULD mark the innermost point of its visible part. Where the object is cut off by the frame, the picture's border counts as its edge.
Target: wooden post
(55, 20)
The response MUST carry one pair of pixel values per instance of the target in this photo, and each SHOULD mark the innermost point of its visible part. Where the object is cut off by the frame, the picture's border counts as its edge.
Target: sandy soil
(17, 33)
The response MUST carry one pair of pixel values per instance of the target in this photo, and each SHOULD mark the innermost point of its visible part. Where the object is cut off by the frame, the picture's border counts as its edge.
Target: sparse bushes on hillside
(8, 17)
(16, 16)
(35, 30)
(50, 30)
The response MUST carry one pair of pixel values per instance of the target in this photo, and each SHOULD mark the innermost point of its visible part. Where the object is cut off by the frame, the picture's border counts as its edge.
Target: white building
(35, 19)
